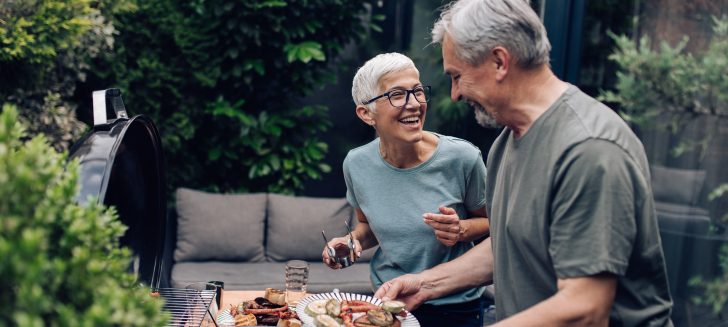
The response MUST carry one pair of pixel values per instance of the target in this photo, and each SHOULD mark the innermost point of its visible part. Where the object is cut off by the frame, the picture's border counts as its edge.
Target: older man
(574, 238)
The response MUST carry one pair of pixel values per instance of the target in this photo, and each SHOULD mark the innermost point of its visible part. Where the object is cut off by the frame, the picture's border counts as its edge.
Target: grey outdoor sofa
(245, 240)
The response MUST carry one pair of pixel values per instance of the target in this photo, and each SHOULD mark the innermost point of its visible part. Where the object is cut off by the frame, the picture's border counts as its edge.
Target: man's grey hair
(366, 81)
(477, 26)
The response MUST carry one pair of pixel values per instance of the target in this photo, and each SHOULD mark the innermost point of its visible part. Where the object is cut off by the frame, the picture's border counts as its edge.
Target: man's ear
(365, 115)
(502, 59)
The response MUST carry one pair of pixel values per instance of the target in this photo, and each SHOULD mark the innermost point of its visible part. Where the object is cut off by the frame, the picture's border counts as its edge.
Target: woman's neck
(408, 155)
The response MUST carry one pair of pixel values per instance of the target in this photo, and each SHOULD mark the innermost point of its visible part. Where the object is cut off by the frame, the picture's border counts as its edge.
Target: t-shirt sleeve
(350, 196)
(475, 185)
(593, 226)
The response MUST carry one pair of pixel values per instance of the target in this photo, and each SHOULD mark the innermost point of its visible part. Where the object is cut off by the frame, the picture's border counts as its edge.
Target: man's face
(404, 123)
(470, 84)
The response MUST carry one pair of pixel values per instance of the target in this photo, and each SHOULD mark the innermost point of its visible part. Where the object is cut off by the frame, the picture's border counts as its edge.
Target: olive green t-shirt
(571, 198)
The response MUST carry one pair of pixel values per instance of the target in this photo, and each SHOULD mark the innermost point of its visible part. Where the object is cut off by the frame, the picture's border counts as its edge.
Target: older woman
(417, 194)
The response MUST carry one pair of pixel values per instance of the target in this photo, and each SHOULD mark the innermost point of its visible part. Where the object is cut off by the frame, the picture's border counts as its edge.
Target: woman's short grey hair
(477, 26)
(366, 81)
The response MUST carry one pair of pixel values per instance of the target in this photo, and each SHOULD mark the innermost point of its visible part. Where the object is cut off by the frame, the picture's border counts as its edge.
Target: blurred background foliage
(240, 90)
(222, 80)
(61, 264)
(45, 50)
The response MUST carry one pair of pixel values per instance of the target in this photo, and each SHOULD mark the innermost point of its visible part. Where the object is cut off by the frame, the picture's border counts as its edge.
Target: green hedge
(45, 47)
(223, 80)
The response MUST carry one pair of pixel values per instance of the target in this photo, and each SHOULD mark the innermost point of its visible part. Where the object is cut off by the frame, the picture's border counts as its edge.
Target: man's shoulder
(581, 117)
(595, 119)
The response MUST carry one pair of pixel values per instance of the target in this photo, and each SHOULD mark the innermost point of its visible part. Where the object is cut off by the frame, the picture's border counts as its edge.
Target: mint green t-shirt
(395, 199)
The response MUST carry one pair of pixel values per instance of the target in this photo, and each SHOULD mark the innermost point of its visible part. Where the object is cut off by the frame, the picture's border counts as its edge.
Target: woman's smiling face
(404, 123)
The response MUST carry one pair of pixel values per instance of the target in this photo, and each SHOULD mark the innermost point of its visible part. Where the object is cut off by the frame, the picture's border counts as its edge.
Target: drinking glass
(296, 280)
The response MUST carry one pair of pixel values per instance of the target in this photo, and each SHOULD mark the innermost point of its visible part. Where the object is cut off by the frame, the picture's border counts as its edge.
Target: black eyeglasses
(399, 97)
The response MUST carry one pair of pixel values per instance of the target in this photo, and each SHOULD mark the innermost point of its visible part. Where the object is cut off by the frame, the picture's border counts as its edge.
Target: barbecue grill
(121, 165)
(188, 307)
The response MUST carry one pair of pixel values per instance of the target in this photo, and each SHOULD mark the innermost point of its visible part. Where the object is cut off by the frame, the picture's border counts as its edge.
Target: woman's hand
(446, 225)
(340, 243)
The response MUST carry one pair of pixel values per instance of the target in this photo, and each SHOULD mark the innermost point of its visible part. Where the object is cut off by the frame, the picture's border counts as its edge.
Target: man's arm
(581, 301)
(472, 269)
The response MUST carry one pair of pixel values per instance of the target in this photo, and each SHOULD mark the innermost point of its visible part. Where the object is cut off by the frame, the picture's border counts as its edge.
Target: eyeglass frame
(426, 88)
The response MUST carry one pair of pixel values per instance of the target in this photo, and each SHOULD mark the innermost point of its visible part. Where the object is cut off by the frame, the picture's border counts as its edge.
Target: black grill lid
(121, 164)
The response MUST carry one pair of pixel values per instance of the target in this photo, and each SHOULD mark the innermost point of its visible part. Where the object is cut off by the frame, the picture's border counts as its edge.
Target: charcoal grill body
(122, 165)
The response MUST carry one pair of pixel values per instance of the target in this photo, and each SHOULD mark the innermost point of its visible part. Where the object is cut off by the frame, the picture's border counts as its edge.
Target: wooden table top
(233, 298)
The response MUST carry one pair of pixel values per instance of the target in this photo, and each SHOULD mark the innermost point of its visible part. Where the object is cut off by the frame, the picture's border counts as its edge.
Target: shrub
(651, 83)
(45, 47)
(60, 263)
(222, 79)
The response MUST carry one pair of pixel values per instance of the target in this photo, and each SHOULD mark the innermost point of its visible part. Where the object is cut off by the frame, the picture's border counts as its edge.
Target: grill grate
(188, 307)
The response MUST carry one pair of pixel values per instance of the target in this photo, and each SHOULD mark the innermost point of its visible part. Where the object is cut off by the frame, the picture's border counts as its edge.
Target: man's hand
(405, 288)
(337, 243)
(446, 225)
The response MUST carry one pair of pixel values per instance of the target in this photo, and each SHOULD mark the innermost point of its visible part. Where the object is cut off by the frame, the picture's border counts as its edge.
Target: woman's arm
(450, 229)
(363, 233)
(476, 227)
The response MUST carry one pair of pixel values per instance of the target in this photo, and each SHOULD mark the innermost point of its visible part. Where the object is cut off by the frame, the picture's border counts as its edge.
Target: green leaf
(214, 154)
(304, 52)
(270, 4)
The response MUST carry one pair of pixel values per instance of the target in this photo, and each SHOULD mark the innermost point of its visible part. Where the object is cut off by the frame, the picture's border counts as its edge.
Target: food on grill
(325, 321)
(393, 306)
(289, 323)
(265, 312)
(275, 296)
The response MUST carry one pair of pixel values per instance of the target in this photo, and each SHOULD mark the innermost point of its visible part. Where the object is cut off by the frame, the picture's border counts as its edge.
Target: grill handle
(101, 99)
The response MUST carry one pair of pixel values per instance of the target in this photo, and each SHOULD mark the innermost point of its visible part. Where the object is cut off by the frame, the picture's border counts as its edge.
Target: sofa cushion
(674, 185)
(259, 275)
(219, 226)
(295, 224)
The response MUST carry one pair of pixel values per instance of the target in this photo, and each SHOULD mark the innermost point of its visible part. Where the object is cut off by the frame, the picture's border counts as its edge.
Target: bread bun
(246, 320)
(289, 323)
(275, 296)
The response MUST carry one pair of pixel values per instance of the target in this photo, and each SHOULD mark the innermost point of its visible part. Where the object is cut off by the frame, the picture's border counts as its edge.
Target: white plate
(409, 321)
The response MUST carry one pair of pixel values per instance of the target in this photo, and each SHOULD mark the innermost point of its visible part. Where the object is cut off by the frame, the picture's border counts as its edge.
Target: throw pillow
(295, 224)
(225, 227)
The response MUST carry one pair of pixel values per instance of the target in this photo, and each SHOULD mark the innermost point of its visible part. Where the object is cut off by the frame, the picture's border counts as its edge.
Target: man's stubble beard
(483, 118)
